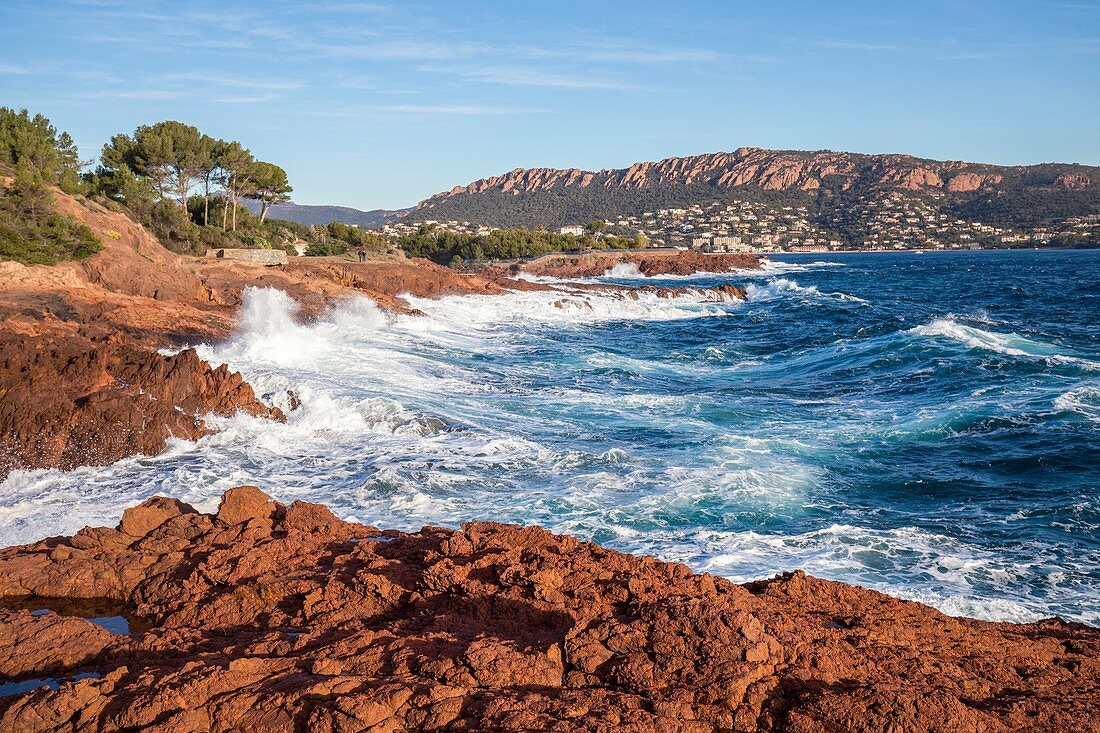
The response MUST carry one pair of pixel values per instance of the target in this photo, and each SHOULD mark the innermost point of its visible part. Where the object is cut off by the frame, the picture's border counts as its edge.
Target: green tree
(38, 143)
(271, 185)
(172, 155)
(209, 172)
(29, 197)
(235, 165)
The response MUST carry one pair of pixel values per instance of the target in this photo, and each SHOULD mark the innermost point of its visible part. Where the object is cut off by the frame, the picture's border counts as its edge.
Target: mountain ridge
(827, 179)
(320, 215)
(771, 169)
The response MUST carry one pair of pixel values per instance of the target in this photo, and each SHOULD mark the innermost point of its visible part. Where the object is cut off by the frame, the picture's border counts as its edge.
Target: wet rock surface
(268, 617)
(73, 401)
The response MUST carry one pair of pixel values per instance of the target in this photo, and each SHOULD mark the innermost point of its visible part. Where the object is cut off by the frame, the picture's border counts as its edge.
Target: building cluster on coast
(890, 222)
(894, 221)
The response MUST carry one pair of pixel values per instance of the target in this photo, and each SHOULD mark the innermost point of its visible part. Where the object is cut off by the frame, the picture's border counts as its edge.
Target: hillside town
(891, 221)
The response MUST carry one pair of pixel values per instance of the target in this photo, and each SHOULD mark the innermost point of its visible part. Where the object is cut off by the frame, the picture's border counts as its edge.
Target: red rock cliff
(771, 170)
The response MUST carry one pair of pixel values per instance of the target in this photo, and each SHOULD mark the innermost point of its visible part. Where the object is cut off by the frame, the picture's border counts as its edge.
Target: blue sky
(380, 104)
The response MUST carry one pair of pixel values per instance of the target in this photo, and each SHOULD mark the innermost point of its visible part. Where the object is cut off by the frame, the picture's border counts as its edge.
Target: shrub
(33, 233)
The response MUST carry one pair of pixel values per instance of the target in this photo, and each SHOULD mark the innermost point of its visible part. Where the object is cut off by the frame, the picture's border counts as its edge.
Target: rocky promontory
(267, 617)
(648, 263)
(78, 400)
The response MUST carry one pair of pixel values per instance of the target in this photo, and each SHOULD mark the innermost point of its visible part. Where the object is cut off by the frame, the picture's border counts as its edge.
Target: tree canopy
(270, 185)
(446, 246)
(38, 157)
(35, 141)
(159, 169)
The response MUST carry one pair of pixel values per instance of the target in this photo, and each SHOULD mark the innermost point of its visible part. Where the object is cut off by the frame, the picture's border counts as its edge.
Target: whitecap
(1009, 344)
(1084, 401)
(776, 287)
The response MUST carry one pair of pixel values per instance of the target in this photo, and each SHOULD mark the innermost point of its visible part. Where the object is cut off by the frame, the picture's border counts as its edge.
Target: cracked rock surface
(266, 617)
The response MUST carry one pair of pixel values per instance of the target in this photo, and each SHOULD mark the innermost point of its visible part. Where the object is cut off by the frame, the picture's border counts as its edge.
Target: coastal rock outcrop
(594, 264)
(132, 261)
(1073, 181)
(268, 617)
(73, 401)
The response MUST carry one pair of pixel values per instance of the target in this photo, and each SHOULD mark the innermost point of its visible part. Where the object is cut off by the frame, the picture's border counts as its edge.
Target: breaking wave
(624, 270)
(825, 425)
(1084, 401)
(776, 287)
(1009, 344)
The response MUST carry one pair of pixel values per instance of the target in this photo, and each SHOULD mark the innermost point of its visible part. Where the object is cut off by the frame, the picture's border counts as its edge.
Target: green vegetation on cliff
(37, 157)
(186, 187)
(561, 206)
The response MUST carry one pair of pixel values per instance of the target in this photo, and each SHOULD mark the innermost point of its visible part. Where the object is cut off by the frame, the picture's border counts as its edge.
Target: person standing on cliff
(362, 255)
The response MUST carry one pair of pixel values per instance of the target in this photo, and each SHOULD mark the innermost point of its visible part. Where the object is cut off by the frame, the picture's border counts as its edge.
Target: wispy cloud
(234, 82)
(9, 70)
(419, 110)
(512, 76)
(849, 45)
(145, 94)
(455, 109)
(247, 99)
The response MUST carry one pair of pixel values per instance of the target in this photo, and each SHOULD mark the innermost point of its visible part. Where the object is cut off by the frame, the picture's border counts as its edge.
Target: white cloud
(455, 109)
(512, 76)
(215, 78)
(847, 45)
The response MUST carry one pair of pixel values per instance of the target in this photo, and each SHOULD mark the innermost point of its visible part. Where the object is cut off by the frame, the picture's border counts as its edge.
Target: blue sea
(926, 425)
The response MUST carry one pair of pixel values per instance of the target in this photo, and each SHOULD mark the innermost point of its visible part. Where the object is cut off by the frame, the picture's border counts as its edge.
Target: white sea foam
(624, 270)
(961, 579)
(1084, 401)
(1009, 344)
(411, 420)
(382, 396)
(561, 307)
(777, 287)
(775, 267)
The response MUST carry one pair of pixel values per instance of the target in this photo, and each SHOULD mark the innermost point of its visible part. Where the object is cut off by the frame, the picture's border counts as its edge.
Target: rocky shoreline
(267, 617)
(82, 380)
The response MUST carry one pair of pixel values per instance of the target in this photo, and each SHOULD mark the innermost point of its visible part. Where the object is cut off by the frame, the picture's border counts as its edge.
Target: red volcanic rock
(72, 401)
(912, 179)
(39, 645)
(140, 520)
(132, 261)
(648, 263)
(268, 617)
(1073, 181)
(246, 504)
(768, 169)
(965, 182)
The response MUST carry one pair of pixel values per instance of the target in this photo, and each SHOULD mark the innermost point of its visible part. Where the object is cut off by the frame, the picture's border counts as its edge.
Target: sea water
(926, 425)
